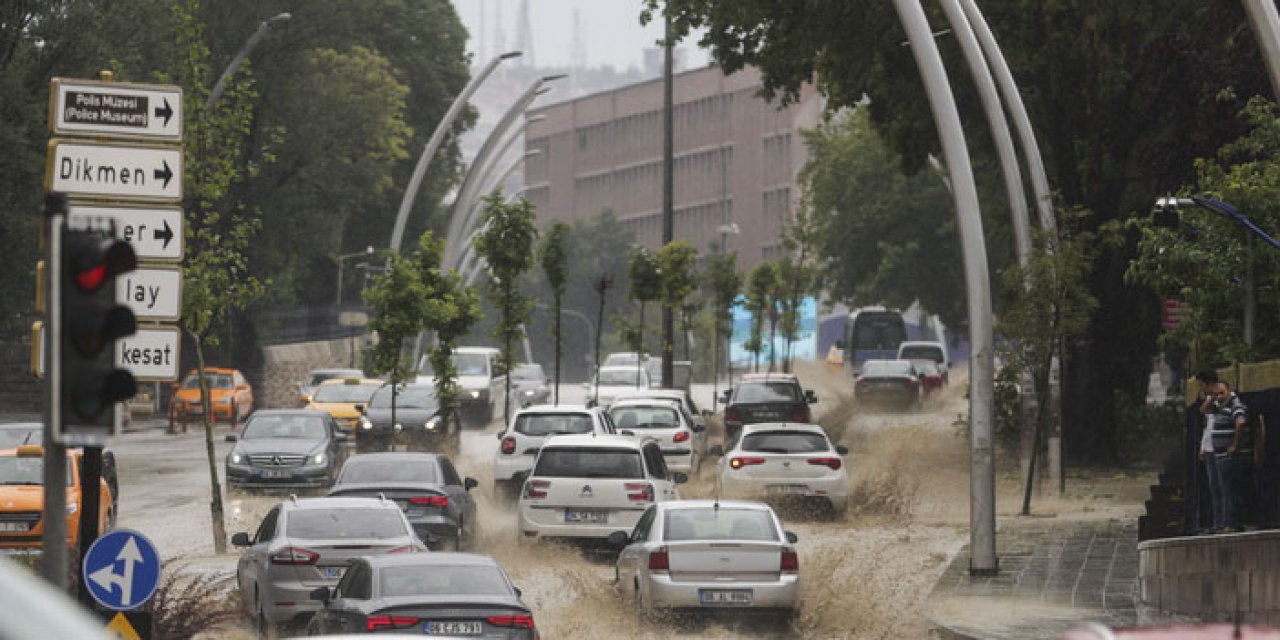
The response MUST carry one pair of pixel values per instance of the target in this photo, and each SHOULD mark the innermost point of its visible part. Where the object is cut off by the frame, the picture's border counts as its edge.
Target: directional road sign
(131, 172)
(155, 233)
(122, 569)
(150, 354)
(152, 293)
(117, 109)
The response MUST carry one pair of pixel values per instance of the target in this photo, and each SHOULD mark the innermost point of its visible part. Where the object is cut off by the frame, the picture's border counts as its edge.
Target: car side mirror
(519, 591)
(842, 450)
(470, 483)
(680, 477)
(231, 437)
(619, 539)
(320, 594)
(810, 396)
(241, 540)
(715, 450)
(359, 409)
(792, 538)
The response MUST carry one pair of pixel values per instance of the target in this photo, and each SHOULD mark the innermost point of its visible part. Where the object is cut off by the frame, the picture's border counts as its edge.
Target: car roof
(643, 402)
(395, 456)
(289, 412)
(337, 370)
(308, 504)
(333, 382)
(435, 558)
(783, 426)
(217, 370)
(666, 394)
(622, 367)
(710, 504)
(602, 440)
(476, 350)
(768, 377)
(555, 408)
(919, 343)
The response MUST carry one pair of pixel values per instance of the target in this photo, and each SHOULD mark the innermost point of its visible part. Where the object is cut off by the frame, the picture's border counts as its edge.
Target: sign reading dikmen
(135, 172)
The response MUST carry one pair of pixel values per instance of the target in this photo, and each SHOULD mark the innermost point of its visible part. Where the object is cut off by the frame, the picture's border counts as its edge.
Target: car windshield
(784, 442)
(216, 381)
(630, 377)
(528, 372)
(725, 523)
(374, 470)
(349, 524)
(886, 368)
(767, 392)
(542, 424)
(471, 364)
(298, 426)
(589, 463)
(436, 580)
(14, 437)
(921, 352)
(320, 376)
(644, 417)
(25, 471)
(345, 392)
(417, 397)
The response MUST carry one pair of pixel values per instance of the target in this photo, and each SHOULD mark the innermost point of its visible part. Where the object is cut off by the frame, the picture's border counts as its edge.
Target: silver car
(682, 441)
(702, 554)
(302, 545)
(529, 385)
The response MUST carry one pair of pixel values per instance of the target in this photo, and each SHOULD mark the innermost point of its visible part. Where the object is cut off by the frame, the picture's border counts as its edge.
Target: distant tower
(577, 47)
(481, 53)
(499, 38)
(524, 36)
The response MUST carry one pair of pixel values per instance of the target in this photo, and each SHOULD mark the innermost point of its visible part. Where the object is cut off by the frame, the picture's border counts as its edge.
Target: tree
(762, 288)
(601, 286)
(506, 244)
(450, 309)
(215, 271)
(797, 275)
(397, 299)
(724, 282)
(644, 278)
(677, 266)
(555, 265)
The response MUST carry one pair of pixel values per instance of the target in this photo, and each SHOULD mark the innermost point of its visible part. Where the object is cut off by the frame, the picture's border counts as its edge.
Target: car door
(458, 494)
(343, 613)
(663, 488)
(251, 568)
(629, 558)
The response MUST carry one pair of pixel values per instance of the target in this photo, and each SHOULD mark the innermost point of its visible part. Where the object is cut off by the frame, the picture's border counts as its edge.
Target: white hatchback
(529, 429)
(587, 487)
(682, 441)
(785, 461)
(704, 554)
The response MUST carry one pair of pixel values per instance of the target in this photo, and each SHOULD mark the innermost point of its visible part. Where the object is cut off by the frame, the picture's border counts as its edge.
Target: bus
(872, 333)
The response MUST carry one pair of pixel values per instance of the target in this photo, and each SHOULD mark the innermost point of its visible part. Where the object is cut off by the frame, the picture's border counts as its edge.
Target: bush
(1147, 433)
(185, 605)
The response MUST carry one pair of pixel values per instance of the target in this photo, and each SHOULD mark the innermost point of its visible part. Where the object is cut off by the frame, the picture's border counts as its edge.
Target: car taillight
(405, 549)
(800, 415)
(680, 436)
(508, 445)
(430, 501)
(536, 489)
(738, 463)
(639, 491)
(518, 621)
(731, 415)
(659, 560)
(294, 555)
(790, 561)
(834, 463)
(374, 623)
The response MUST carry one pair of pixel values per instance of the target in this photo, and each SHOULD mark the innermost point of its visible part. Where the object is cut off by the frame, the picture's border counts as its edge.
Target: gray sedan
(529, 385)
(427, 487)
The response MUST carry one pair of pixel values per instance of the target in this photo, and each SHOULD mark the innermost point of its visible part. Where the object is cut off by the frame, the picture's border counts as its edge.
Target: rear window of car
(543, 424)
(345, 392)
(784, 442)
(886, 368)
(357, 471)
(528, 372)
(767, 392)
(724, 523)
(435, 580)
(588, 463)
(346, 524)
(644, 417)
(923, 352)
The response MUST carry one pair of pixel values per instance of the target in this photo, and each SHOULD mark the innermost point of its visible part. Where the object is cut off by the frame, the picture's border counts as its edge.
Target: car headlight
(72, 507)
(319, 458)
(432, 424)
(475, 394)
(529, 392)
(236, 458)
(365, 423)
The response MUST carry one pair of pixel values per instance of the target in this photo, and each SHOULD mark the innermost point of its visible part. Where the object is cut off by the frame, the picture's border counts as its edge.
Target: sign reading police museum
(135, 172)
(118, 109)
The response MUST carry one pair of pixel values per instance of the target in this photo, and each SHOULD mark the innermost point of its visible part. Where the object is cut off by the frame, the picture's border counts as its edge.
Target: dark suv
(765, 397)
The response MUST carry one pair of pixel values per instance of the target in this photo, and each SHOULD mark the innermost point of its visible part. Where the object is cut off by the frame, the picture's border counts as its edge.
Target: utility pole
(668, 211)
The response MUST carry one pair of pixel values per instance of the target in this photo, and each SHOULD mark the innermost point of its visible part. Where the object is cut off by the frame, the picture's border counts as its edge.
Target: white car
(678, 395)
(683, 442)
(590, 486)
(529, 429)
(610, 382)
(704, 554)
(785, 460)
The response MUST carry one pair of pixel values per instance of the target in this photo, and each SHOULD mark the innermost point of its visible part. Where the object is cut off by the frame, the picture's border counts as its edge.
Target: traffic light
(91, 322)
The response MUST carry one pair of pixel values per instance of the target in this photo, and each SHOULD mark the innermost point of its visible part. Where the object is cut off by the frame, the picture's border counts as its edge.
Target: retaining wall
(1213, 577)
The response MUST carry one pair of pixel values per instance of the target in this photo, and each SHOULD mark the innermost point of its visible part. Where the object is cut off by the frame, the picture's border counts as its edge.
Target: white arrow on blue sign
(122, 570)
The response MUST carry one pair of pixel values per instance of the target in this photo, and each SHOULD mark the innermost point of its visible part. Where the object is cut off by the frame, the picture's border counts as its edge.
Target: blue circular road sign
(121, 570)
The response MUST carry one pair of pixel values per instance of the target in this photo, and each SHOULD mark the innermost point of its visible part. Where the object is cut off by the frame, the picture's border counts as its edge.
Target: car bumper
(298, 477)
(834, 490)
(434, 529)
(290, 601)
(661, 591)
(505, 468)
(538, 521)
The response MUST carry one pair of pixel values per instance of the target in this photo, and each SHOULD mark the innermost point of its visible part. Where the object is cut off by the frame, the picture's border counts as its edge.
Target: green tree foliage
(677, 266)
(450, 310)
(1203, 262)
(397, 298)
(507, 245)
(762, 300)
(724, 284)
(644, 281)
(798, 274)
(553, 254)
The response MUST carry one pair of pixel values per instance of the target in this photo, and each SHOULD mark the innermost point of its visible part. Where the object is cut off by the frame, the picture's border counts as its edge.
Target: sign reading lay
(134, 172)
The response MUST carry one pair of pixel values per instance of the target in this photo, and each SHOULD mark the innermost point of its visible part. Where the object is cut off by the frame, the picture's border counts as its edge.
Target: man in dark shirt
(1233, 449)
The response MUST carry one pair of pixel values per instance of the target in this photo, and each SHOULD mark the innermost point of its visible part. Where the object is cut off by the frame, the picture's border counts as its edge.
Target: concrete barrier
(1213, 578)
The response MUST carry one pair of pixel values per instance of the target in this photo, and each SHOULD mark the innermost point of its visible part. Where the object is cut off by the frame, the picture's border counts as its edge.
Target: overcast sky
(611, 31)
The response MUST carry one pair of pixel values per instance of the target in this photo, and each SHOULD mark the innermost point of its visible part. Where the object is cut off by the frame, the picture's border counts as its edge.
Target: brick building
(736, 160)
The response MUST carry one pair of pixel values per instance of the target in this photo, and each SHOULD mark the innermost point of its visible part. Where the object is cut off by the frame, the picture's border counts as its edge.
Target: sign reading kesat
(118, 158)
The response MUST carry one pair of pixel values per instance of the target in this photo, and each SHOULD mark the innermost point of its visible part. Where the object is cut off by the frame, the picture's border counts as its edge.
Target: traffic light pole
(90, 507)
(53, 540)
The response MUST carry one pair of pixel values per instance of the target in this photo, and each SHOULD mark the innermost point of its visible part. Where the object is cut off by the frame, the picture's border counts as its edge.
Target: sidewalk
(1053, 575)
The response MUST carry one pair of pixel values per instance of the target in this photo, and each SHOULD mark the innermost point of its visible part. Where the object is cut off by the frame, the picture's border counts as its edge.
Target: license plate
(786, 489)
(587, 517)
(725, 596)
(333, 573)
(452, 628)
(273, 473)
(13, 527)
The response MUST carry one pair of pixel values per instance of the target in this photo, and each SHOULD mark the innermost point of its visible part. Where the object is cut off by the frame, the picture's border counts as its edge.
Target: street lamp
(437, 138)
(249, 44)
(368, 251)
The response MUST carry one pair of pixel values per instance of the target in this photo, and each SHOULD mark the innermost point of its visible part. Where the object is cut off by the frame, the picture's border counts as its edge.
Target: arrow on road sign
(165, 235)
(165, 112)
(165, 174)
(106, 576)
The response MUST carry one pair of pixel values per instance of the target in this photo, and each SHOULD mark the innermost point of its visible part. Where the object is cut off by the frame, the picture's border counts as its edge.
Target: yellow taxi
(230, 396)
(344, 399)
(22, 499)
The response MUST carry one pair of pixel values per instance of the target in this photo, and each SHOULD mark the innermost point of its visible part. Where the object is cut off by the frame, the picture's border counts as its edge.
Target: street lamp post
(221, 85)
(368, 251)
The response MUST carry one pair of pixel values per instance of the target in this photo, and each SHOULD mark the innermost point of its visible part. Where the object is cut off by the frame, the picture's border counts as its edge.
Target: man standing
(1207, 378)
(1233, 452)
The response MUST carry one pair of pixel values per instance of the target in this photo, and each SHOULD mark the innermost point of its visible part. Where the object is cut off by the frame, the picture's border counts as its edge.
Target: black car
(420, 421)
(286, 448)
(424, 594)
(16, 434)
(435, 499)
(765, 397)
(892, 383)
